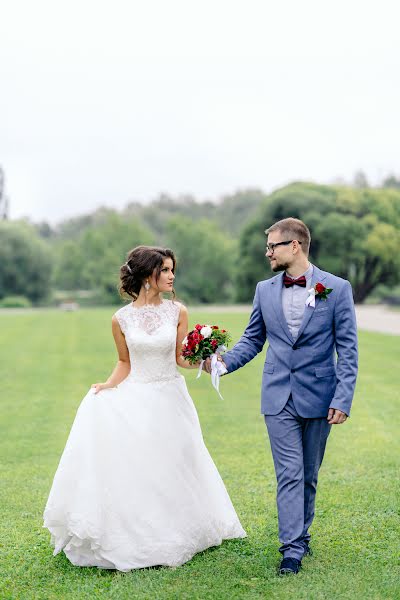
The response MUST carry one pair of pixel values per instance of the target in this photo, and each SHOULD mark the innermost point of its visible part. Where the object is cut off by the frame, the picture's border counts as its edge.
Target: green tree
(234, 211)
(206, 257)
(157, 214)
(355, 234)
(360, 180)
(391, 181)
(230, 212)
(68, 272)
(25, 262)
(92, 260)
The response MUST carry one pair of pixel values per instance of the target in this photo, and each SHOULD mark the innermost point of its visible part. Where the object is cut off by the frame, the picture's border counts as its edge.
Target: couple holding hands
(136, 486)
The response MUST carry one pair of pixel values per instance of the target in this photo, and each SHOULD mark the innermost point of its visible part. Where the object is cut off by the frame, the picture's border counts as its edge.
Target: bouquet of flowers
(205, 341)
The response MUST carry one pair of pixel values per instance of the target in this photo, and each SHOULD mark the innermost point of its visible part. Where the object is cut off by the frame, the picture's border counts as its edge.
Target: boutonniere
(318, 291)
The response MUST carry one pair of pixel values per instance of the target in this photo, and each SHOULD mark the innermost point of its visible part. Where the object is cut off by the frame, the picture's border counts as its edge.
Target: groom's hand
(207, 364)
(336, 416)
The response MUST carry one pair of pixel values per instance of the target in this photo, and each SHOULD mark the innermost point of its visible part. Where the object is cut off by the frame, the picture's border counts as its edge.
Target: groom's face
(282, 257)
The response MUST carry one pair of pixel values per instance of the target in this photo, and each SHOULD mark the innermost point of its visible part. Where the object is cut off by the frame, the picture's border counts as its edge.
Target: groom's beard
(276, 266)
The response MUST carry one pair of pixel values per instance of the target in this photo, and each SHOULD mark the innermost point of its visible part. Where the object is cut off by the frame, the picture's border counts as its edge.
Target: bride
(136, 486)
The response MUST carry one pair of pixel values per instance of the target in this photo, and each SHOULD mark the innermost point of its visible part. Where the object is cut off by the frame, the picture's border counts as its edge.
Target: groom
(309, 373)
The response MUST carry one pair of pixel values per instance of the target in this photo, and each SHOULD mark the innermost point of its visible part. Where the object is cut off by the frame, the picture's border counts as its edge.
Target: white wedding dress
(136, 486)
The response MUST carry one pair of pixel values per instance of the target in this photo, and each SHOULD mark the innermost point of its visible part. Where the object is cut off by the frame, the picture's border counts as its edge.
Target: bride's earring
(146, 289)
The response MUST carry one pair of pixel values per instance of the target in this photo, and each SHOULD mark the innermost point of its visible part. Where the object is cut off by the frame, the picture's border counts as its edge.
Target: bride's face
(165, 282)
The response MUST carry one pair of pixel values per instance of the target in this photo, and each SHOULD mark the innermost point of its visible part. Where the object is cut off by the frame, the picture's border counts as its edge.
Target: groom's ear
(296, 246)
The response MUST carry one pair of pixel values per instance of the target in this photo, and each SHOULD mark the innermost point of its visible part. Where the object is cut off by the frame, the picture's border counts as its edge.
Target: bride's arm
(123, 366)
(180, 336)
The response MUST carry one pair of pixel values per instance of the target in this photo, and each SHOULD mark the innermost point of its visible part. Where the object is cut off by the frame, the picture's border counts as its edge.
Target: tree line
(220, 246)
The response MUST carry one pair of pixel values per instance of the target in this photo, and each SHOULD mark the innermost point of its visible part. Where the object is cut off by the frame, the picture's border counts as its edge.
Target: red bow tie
(288, 281)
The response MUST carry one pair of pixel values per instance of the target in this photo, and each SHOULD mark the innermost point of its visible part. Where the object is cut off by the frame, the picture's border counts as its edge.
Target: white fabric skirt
(136, 486)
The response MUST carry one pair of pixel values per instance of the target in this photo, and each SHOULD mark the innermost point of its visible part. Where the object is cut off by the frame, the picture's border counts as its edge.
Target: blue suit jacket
(306, 367)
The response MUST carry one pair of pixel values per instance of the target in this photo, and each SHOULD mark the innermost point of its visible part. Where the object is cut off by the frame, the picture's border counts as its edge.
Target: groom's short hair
(295, 229)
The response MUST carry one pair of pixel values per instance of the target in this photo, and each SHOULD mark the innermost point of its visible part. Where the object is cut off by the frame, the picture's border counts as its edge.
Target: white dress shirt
(294, 301)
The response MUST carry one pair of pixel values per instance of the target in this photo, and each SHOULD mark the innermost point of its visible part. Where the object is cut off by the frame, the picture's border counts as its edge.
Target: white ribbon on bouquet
(217, 369)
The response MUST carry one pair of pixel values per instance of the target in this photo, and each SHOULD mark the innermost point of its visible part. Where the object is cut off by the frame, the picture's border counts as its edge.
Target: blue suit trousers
(298, 446)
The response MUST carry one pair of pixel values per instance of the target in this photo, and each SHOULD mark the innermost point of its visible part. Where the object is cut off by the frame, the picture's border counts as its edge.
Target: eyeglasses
(271, 247)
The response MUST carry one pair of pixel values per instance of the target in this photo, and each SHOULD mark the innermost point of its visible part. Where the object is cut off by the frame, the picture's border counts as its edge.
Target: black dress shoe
(290, 566)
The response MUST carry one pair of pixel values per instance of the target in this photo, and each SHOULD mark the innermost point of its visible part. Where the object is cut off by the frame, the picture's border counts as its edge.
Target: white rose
(206, 331)
(185, 341)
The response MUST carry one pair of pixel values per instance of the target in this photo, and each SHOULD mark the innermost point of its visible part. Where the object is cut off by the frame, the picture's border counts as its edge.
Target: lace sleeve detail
(122, 317)
(175, 309)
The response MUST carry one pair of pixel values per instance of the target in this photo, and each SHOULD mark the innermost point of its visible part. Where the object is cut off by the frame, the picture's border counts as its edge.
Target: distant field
(47, 362)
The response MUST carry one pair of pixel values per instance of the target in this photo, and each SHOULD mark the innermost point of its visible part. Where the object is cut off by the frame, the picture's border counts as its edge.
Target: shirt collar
(308, 274)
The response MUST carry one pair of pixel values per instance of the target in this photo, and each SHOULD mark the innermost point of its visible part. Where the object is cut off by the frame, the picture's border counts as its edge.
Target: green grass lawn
(48, 361)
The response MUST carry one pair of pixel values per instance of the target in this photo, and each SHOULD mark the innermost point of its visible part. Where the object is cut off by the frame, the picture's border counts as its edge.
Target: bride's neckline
(153, 306)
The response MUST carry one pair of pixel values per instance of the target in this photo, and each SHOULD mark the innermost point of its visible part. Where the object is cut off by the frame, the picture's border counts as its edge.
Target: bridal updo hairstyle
(140, 264)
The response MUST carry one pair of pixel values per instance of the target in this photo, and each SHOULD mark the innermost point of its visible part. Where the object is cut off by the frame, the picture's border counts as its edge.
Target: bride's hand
(101, 386)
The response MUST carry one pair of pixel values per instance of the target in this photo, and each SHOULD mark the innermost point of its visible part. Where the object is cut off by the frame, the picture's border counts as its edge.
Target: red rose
(319, 288)
(196, 337)
(214, 343)
(198, 327)
(215, 327)
(223, 330)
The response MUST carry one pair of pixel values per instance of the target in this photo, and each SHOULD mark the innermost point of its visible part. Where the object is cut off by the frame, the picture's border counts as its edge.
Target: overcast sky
(102, 102)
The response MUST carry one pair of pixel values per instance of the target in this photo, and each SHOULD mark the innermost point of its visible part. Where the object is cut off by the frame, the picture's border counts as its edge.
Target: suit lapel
(276, 291)
(318, 276)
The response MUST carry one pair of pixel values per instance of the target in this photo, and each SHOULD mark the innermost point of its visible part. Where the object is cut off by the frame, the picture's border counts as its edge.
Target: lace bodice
(150, 334)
